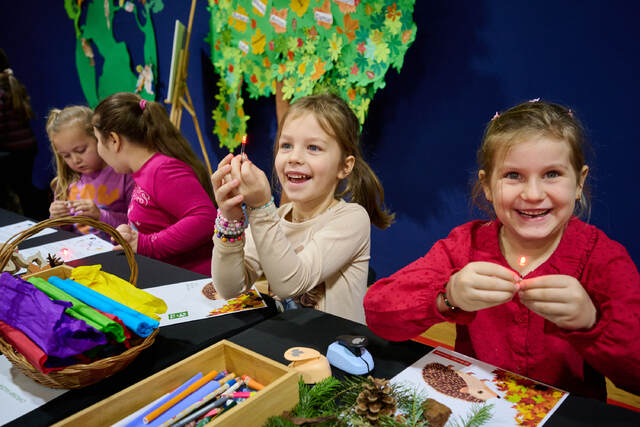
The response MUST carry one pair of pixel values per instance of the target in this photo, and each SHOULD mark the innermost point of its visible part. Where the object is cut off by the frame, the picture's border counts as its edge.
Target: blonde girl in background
(535, 291)
(171, 215)
(84, 184)
(315, 248)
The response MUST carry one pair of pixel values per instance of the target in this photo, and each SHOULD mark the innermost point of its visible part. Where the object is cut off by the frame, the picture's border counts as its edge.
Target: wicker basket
(80, 375)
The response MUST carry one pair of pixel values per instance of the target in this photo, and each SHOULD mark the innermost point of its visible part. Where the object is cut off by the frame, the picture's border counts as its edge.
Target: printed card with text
(462, 384)
(198, 299)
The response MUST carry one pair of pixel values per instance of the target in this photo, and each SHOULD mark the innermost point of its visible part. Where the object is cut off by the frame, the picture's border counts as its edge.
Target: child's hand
(128, 234)
(225, 189)
(59, 208)
(85, 207)
(560, 299)
(481, 285)
(254, 184)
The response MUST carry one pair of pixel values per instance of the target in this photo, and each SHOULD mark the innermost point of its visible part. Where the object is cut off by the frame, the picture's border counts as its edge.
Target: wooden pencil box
(280, 392)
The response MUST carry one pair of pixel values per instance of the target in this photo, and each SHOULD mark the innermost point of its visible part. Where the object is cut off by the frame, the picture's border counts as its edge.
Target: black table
(315, 329)
(173, 343)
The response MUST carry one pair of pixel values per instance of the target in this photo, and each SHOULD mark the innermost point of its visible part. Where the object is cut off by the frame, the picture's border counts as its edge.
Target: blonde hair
(338, 121)
(530, 119)
(147, 124)
(75, 115)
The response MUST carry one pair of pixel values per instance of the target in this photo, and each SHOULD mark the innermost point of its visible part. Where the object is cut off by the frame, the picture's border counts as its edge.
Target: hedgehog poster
(462, 384)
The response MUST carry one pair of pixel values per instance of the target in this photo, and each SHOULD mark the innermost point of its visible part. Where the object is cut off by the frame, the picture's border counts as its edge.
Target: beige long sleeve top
(330, 249)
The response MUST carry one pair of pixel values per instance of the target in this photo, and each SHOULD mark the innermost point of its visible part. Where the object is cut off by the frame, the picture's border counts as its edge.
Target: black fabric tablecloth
(315, 329)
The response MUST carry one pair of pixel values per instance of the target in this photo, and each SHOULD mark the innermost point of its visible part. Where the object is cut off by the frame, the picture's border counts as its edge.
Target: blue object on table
(343, 358)
(137, 422)
(140, 323)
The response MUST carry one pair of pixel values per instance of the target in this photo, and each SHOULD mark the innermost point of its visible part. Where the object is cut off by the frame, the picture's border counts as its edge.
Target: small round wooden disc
(295, 354)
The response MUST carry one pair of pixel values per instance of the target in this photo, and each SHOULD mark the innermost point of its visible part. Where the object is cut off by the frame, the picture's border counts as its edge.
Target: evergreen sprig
(334, 397)
(479, 416)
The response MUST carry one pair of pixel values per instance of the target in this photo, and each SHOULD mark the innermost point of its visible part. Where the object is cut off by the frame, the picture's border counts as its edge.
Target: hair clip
(495, 116)
(570, 113)
(143, 104)
(534, 100)
(8, 71)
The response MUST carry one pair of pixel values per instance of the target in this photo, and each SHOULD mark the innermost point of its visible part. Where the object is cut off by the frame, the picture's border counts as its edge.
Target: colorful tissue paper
(119, 290)
(24, 307)
(139, 323)
(31, 351)
(80, 310)
(126, 331)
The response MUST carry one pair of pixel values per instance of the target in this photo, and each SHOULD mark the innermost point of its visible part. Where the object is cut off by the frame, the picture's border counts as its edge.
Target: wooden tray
(280, 392)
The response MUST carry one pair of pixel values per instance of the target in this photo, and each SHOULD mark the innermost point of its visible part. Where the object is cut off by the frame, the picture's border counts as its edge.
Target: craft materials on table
(458, 382)
(80, 310)
(141, 324)
(44, 321)
(119, 289)
(195, 300)
(73, 248)
(7, 231)
(199, 399)
(53, 329)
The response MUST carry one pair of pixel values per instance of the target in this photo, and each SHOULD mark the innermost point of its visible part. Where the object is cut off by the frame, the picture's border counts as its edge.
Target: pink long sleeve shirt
(510, 335)
(173, 214)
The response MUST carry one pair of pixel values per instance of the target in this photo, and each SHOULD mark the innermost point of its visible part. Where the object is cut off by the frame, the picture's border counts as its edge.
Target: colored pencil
(193, 387)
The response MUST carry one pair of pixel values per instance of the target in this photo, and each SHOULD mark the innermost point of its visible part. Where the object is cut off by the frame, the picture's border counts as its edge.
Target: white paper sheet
(481, 381)
(7, 231)
(71, 249)
(186, 302)
(20, 394)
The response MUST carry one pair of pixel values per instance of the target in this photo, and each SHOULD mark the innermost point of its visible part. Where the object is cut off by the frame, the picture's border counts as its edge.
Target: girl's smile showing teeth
(297, 178)
(534, 213)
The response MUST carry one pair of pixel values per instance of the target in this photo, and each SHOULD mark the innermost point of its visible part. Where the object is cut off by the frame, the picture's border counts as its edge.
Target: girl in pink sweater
(171, 214)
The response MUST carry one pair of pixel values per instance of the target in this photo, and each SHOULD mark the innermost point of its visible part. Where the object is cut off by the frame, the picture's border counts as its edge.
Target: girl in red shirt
(535, 291)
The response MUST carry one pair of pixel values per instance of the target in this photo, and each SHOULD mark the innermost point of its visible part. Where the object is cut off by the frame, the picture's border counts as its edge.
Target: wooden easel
(178, 101)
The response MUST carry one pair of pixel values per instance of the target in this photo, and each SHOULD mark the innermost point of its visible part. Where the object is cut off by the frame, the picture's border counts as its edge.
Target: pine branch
(479, 416)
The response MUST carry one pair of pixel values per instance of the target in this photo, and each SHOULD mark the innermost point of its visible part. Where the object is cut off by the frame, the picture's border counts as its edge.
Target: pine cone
(54, 260)
(375, 400)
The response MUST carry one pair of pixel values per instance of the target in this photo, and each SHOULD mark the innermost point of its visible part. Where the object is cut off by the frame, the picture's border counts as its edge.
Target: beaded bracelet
(230, 227)
(228, 237)
(266, 205)
(446, 301)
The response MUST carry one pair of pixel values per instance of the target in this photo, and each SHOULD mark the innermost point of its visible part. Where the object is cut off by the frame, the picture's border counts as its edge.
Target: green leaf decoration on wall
(311, 46)
(93, 23)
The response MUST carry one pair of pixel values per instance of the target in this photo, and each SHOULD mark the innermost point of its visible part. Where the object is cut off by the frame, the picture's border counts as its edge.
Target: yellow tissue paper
(118, 289)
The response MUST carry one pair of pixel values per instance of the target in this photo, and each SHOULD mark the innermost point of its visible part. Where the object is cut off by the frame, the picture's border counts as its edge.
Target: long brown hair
(75, 115)
(533, 118)
(16, 92)
(148, 125)
(338, 121)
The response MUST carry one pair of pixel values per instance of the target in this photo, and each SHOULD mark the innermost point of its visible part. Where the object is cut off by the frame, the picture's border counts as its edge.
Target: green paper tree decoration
(97, 30)
(311, 46)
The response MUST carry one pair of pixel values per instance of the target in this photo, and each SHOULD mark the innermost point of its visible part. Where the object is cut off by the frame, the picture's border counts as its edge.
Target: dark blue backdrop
(470, 58)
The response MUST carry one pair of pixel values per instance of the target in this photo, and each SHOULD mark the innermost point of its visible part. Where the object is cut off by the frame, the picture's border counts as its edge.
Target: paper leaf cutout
(342, 46)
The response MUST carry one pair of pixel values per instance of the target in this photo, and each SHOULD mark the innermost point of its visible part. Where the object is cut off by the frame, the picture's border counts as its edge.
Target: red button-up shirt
(511, 336)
